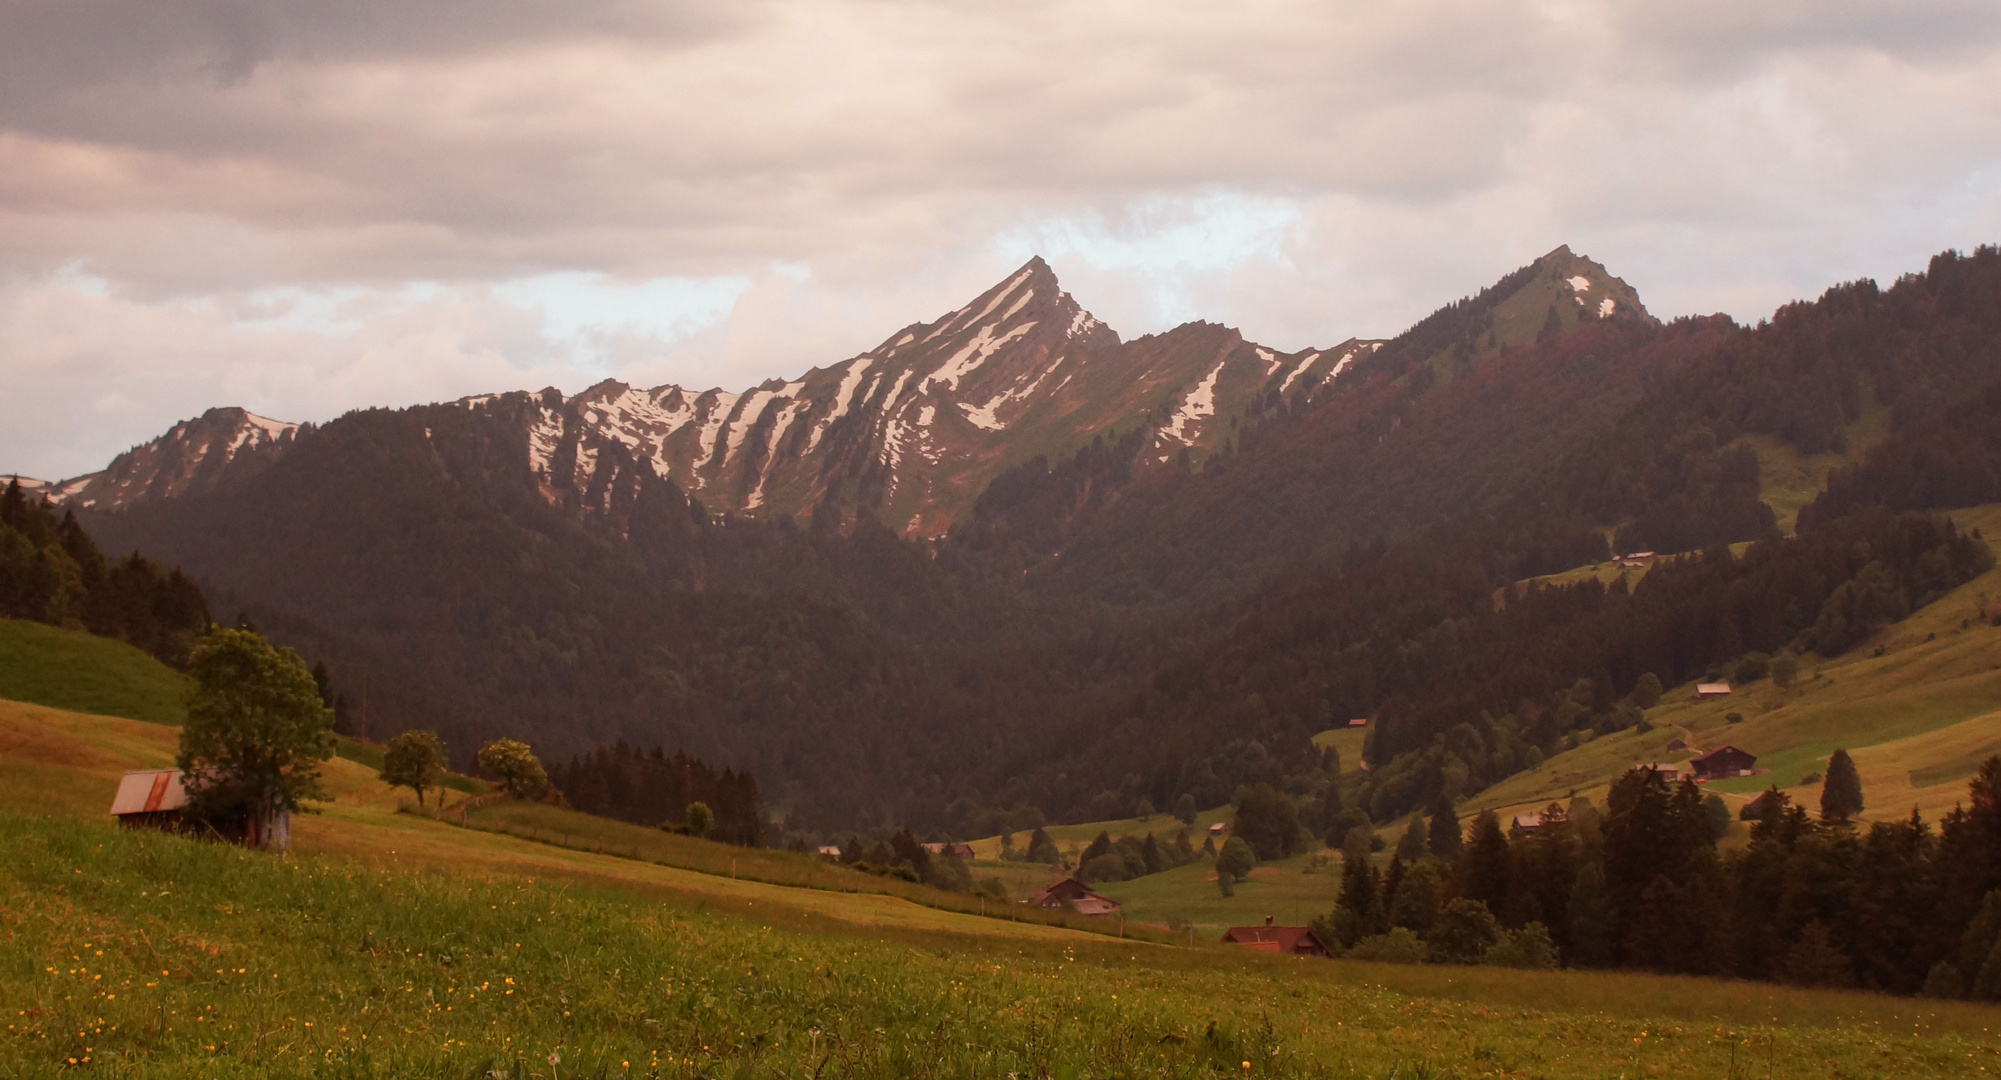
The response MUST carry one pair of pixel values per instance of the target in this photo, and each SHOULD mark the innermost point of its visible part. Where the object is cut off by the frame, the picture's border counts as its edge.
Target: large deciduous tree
(256, 733)
(516, 766)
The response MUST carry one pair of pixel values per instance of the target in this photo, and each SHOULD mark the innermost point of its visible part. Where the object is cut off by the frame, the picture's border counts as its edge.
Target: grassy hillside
(1293, 891)
(69, 669)
(1917, 708)
(393, 945)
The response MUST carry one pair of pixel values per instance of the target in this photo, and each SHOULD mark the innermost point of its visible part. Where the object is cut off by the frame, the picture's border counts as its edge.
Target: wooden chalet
(1677, 745)
(1721, 762)
(1706, 690)
(1221, 828)
(1076, 896)
(1284, 940)
(951, 851)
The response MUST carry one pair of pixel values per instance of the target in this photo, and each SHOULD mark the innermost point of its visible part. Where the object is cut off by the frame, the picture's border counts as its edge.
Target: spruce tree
(1591, 925)
(1414, 844)
(1482, 872)
(1841, 792)
(1444, 834)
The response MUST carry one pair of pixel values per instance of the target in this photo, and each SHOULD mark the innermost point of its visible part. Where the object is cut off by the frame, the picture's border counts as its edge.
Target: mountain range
(1008, 564)
(914, 429)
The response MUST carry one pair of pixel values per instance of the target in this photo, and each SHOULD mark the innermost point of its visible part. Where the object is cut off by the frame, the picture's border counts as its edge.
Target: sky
(304, 208)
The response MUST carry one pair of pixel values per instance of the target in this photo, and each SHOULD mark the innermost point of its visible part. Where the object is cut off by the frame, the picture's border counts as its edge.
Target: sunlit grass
(157, 956)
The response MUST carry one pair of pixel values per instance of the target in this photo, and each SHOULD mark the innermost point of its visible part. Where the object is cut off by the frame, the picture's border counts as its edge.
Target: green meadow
(146, 955)
(535, 942)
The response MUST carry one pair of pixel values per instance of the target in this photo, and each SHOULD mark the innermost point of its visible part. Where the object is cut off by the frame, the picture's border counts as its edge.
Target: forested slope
(1110, 623)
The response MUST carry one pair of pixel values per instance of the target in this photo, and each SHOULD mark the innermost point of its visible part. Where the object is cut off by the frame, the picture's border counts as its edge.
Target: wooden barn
(1721, 762)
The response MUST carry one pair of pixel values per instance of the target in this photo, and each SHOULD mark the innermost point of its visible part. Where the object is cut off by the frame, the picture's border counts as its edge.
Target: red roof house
(1284, 940)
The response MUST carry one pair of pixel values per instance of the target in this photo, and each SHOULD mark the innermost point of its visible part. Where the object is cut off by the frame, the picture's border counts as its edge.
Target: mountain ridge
(911, 431)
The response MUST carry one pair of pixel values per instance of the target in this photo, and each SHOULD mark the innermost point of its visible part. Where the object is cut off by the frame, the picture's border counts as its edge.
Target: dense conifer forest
(52, 572)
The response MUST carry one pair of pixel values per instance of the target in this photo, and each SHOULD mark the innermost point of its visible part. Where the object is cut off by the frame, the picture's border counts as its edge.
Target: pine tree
(1482, 871)
(1444, 833)
(1591, 924)
(1841, 792)
(1414, 844)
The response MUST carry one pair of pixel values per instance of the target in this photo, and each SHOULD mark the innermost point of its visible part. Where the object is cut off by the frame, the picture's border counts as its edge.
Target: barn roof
(1273, 938)
(148, 791)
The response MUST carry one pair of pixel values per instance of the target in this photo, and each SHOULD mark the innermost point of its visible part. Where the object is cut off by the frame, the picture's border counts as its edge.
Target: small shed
(150, 798)
(1677, 745)
(1707, 690)
(831, 851)
(1721, 762)
(1221, 828)
(1284, 940)
(951, 851)
(1360, 721)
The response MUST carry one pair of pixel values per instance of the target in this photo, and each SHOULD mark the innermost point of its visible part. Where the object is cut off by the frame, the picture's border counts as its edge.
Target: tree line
(51, 571)
(1899, 906)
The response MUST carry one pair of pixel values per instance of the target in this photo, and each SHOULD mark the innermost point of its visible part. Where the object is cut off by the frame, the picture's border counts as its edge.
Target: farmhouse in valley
(1721, 762)
(1285, 940)
(1075, 895)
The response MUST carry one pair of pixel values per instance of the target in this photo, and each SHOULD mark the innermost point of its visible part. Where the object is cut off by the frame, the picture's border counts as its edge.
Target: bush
(1107, 806)
(1184, 809)
(1463, 932)
(1785, 670)
(1110, 866)
(1399, 946)
(1751, 667)
(1529, 949)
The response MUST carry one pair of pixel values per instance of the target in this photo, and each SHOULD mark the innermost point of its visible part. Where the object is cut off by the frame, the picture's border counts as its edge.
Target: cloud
(277, 196)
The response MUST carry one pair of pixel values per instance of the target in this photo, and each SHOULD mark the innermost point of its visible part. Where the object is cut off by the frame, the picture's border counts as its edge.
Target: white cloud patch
(301, 207)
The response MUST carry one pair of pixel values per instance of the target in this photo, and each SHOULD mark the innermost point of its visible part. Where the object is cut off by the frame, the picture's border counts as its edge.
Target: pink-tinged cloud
(406, 179)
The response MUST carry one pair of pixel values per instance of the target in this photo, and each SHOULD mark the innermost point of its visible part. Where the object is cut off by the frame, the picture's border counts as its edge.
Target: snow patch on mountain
(987, 417)
(1580, 283)
(1200, 403)
(1300, 369)
(972, 355)
(844, 395)
(1606, 307)
(712, 425)
(543, 436)
(1270, 359)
